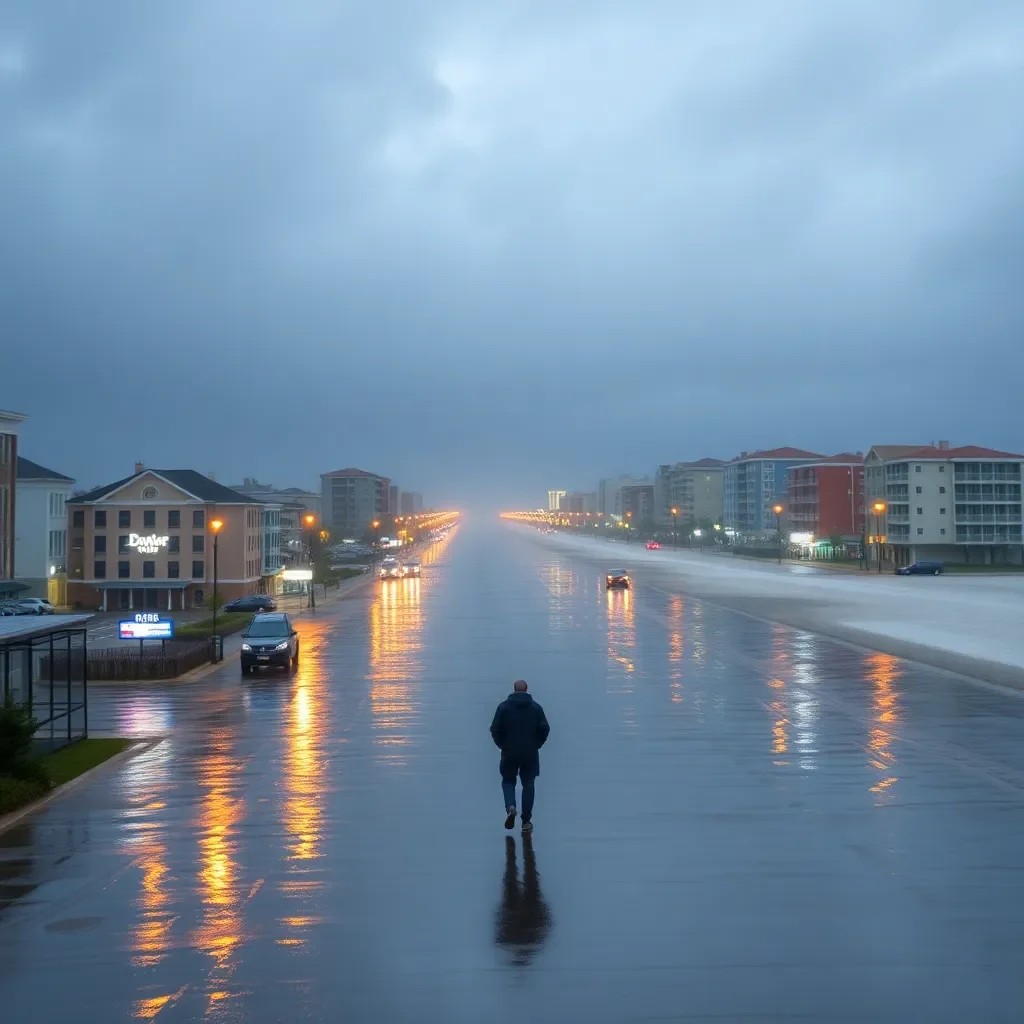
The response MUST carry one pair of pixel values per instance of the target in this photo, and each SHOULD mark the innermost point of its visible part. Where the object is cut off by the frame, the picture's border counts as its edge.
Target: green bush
(15, 793)
(17, 727)
(228, 623)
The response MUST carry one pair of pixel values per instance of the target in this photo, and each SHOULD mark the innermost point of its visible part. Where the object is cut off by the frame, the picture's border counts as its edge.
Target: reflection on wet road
(735, 821)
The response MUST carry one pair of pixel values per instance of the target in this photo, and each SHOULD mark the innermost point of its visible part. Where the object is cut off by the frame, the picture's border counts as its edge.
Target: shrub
(15, 793)
(17, 760)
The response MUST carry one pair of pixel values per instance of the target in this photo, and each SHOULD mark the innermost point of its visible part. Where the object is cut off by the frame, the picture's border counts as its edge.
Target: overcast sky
(488, 249)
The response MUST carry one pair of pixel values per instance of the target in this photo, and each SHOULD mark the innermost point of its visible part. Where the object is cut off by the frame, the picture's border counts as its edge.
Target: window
(199, 519)
(124, 570)
(942, 469)
(149, 570)
(917, 469)
(920, 530)
(918, 490)
(942, 531)
(198, 542)
(124, 519)
(149, 519)
(78, 517)
(920, 511)
(174, 543)
(942, 511)
(56, 505)
(198, 570)
(99, 544)
(99, 519)
(99, 570)
(122, 544)
(172, 570)
(942, 490)
(174, 519)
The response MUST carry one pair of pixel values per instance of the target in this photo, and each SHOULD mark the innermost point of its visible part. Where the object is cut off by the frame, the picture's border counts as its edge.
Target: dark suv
(920, 569)
(270, 639)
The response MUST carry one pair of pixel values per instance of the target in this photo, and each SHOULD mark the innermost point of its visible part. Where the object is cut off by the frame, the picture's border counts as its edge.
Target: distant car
(617, 578)
(34, 606)
(411, 568)
(390, 569)
(653, 545)
(252, 603)
(920, 569)
(268, 640)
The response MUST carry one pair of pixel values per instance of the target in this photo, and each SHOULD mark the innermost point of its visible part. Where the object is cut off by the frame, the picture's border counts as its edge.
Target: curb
(134, 748)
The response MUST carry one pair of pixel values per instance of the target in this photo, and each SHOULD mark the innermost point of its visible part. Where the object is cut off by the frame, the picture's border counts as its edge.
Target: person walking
(519, 729)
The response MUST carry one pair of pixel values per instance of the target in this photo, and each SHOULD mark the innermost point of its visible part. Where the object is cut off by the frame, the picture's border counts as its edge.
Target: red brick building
(826, 499)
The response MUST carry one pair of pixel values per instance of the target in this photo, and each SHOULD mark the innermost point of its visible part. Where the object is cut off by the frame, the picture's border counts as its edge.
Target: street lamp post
(778, 510)
(629, 522)
(879, 508)
(675, 529)
(310, 521)
(216, 525)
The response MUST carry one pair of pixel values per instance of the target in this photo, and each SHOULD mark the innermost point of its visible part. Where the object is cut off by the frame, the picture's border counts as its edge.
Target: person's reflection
(523, 919)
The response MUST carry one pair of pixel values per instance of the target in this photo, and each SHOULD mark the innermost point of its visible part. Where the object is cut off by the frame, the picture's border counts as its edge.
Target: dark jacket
(519, 729)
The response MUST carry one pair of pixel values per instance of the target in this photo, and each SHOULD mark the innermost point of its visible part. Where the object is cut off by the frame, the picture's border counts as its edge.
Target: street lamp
(778, 510)
(310, 520)
(629, 522)
(675, 531)
(216, 525)
(879, 508)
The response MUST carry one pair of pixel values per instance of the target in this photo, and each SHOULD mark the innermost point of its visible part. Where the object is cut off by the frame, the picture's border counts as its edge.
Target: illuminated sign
(297, 574)
(801, 538)
(147, 545)
(146, 626)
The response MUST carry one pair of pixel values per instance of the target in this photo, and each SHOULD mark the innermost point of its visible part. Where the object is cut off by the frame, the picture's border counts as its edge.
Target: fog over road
(736, 820)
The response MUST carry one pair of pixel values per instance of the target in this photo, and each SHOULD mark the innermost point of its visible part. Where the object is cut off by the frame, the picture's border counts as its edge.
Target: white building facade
(41, 531)
(957, 505)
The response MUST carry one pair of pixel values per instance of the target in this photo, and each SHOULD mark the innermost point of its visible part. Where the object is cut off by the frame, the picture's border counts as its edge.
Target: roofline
(170, 483)
(18, 417)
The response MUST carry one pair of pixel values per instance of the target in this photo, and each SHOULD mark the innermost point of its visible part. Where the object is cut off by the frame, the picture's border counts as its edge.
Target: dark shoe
(527, 826)
(510, 818)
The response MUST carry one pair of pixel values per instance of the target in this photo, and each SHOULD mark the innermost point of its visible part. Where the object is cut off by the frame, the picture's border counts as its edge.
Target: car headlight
(246, 647)
(282, 647)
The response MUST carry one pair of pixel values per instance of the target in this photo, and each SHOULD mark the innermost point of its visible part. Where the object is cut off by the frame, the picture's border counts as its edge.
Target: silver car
(34, 606)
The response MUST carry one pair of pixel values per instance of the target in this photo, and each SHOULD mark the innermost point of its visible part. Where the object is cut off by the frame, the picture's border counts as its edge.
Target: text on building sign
(147, 545)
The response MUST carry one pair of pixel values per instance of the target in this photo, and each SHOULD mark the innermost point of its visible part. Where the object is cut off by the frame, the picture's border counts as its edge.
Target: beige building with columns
(145, 542)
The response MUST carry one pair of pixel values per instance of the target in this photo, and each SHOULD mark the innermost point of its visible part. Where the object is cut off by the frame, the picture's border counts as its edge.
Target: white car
(34, 606)
(390, 569)
(411, 568)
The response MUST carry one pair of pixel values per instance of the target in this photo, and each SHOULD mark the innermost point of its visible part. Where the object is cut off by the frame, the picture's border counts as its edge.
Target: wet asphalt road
(735, 822)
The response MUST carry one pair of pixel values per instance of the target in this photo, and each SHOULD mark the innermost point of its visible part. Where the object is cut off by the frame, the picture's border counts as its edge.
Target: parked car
(617, 578)
(270, 639)
(252, 603)
(920, 569)
(653, 545)
(8, 608)
(34, 606)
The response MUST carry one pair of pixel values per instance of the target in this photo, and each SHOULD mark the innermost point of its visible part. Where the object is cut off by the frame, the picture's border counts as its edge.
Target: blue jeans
(508, 788)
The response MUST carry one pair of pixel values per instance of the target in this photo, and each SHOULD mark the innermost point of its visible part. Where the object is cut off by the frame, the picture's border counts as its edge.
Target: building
(40, 543)
(309, 500)
(10, 423)
(825, 500)
(351, 500)
(412, 503)
(555, 500)
(394, 500)
(579, 501)
(948, 504)
(145, 542)
(693, 489)
(609, 493)
(753, 483)
(638, 503)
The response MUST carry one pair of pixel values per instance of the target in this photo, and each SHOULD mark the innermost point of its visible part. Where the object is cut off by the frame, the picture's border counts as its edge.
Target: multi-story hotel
(352, 500)
(693, 489)
(949, 504)
(826, 499)
(754, 483)
(146, 542)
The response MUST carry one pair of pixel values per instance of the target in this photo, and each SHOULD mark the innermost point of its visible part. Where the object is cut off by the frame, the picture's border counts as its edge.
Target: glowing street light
(879, 508)
(675, 532)
(778, 510)
(216, 525)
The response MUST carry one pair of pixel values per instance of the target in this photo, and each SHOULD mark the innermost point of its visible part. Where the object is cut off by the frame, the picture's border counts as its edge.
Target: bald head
(520, 686)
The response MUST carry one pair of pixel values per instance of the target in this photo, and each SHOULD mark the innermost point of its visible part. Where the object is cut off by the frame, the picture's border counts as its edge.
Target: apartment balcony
(989, 519)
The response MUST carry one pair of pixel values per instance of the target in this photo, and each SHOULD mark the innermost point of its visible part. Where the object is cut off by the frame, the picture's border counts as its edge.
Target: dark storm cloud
(484, 247)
